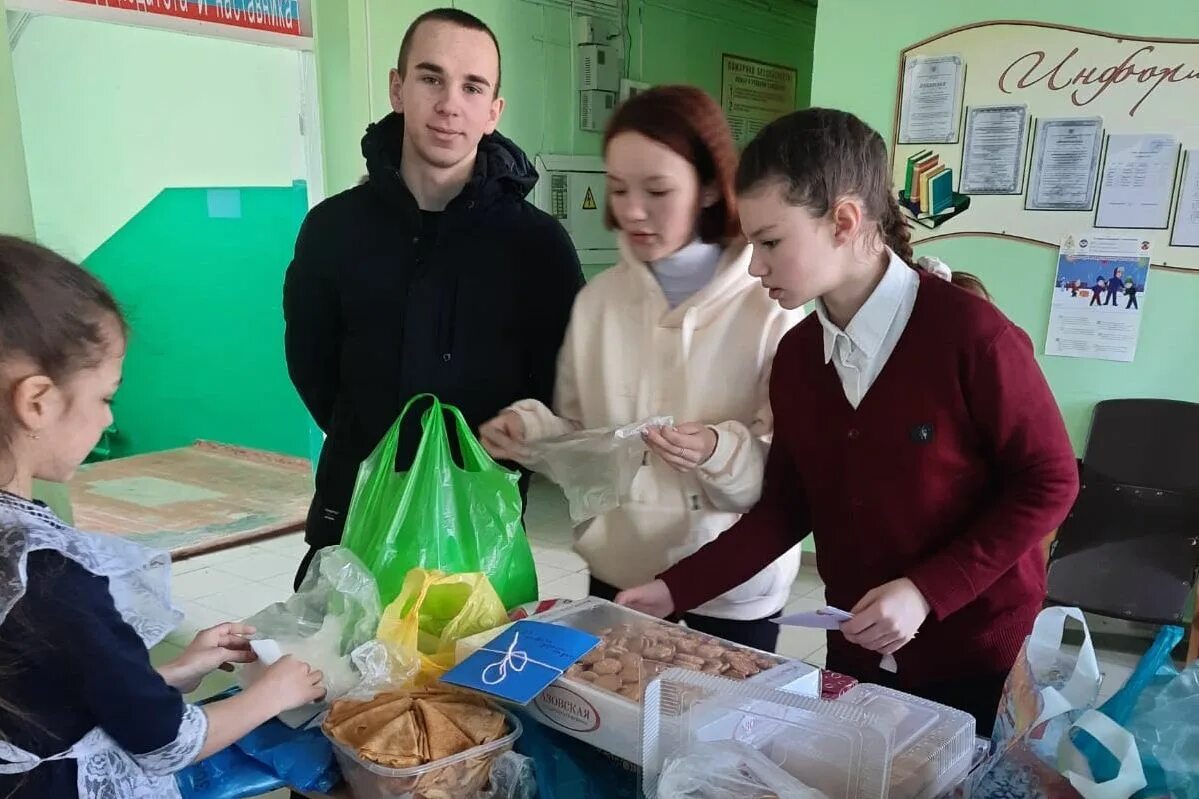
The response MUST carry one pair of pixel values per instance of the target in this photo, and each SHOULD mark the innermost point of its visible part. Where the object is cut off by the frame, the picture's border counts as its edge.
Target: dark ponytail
(897, 232)
(822, 155)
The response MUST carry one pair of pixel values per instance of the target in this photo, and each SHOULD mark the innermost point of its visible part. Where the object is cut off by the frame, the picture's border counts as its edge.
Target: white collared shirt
(860, 351)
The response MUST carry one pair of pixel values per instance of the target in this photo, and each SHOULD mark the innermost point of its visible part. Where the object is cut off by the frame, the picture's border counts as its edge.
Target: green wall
(199, 273)
(857, 53)
(357, 43)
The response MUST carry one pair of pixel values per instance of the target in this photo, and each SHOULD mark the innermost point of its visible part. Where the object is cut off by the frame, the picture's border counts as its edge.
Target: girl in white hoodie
(678, 327)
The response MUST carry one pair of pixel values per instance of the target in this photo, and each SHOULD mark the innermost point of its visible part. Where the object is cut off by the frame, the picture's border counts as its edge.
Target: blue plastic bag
(229, 774)
(1159, 706)
(270, 757)
(567, 768)
(1166, 726)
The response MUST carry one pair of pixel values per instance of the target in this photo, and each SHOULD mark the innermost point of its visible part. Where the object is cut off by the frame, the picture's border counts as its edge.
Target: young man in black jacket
(435, 275)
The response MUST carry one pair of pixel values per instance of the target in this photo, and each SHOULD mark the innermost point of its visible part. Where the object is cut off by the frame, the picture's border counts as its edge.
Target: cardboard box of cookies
(599, 699)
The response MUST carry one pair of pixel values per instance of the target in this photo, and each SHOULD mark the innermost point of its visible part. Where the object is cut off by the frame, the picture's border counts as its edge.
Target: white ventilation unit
(599, 68)
(595, 109)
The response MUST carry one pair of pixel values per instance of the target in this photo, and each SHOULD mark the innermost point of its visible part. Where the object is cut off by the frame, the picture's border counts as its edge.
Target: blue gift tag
(522, 661)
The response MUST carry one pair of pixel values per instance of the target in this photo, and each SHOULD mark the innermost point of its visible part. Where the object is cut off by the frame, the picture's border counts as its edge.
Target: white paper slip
(829, 618)
(823, 619)
(267, 649)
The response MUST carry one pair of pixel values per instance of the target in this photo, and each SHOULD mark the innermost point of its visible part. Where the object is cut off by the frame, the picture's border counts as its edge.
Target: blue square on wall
(224, 203)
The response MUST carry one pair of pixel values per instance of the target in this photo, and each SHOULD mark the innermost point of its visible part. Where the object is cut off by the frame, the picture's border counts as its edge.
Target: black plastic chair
(1130, 547)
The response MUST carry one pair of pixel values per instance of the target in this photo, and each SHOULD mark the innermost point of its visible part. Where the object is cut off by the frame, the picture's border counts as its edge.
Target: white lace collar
(139, 578)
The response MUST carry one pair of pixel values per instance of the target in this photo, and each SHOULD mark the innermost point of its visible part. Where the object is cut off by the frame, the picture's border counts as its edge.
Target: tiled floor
(239, 582)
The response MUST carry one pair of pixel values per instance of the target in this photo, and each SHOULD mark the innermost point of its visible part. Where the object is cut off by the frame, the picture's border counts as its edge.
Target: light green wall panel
(16, 215)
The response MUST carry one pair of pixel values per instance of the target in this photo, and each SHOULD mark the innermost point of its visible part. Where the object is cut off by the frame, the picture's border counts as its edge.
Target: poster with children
(1098, 297)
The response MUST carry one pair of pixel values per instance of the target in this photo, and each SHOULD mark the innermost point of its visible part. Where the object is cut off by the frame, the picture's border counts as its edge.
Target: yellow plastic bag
(433, 611)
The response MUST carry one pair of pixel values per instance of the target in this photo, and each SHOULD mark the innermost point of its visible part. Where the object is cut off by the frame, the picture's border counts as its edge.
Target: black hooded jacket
(384, 302)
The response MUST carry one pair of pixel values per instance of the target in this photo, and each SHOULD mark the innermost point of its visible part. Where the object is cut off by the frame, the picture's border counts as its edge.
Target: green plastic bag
(440, 516)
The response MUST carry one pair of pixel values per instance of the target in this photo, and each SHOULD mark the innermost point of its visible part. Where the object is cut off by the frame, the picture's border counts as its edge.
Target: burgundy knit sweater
(951, 472)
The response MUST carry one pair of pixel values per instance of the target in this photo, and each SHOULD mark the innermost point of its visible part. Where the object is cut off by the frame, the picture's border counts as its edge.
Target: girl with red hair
(678, 327)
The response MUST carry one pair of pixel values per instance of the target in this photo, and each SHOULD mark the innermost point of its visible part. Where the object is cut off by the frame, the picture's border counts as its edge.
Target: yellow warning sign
(589, 201)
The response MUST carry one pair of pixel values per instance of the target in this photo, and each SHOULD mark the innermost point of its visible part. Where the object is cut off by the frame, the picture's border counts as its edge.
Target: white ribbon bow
(514, 659)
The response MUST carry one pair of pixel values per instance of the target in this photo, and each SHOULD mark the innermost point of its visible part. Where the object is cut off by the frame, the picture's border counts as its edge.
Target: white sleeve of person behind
(830, 618)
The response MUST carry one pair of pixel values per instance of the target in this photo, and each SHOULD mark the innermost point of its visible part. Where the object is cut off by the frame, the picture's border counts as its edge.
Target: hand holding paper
(685, 447)
(888, 617)
(823, 619)
(215, 648)
(831, 619)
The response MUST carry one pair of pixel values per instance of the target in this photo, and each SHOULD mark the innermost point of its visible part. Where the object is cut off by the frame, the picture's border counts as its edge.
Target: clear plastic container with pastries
(598, 700)
(706, 737)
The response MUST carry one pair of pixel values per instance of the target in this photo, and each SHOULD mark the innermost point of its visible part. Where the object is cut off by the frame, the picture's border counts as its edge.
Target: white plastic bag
(728, 770)
(1049, 696)
(329, 624)
(594, 468)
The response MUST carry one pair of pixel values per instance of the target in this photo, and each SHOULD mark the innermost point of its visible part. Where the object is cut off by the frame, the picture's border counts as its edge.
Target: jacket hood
(501, 168)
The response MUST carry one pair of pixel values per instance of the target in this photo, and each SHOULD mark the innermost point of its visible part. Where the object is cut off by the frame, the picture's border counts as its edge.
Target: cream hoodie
(627, 357)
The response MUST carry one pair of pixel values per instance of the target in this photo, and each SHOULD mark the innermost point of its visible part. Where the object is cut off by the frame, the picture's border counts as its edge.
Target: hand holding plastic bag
(594, 468)
(335, 612)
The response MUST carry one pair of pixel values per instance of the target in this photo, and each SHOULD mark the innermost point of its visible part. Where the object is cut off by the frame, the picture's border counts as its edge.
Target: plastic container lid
(908, 719)
(371, 781)
(837, 749)
(933, 745)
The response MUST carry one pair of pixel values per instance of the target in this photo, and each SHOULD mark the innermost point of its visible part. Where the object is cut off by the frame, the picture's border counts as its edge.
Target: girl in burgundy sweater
(915, 435)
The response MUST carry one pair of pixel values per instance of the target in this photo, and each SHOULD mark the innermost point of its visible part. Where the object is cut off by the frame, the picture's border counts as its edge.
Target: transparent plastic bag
(335, 613)
(1167, 733)
(512, 777)
(594, 468)
(728, 770)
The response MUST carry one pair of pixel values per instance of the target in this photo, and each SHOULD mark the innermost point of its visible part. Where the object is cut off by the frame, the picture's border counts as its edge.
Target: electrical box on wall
(629, 88)
(599, 68)
(597, 30)
(571, 189)
(595, 109)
